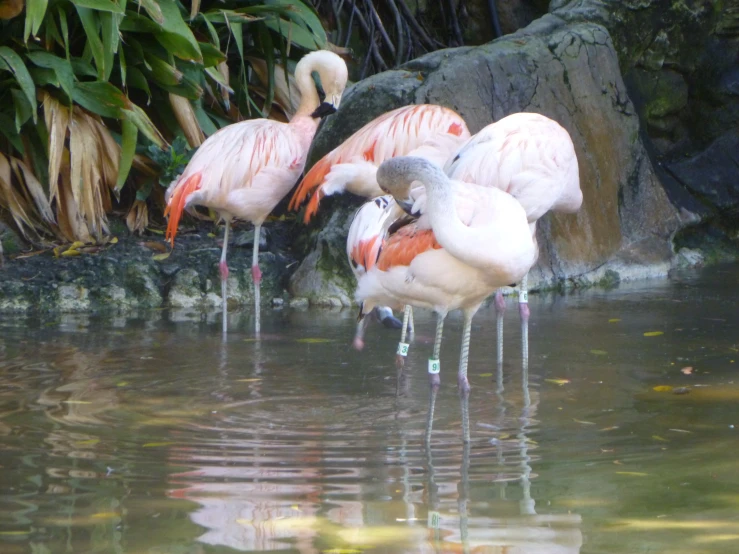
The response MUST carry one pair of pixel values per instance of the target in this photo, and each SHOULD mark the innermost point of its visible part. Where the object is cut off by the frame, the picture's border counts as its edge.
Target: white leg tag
(434, 366)
(434, 520)
(403, 348)
(523, 297)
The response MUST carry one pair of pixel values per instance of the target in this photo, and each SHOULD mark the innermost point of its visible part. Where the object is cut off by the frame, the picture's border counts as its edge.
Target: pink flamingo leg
(256, 274)
(500, 310)
(223, 268)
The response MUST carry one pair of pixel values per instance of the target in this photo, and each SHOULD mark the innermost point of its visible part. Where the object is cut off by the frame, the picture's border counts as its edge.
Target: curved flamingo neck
(309, 99)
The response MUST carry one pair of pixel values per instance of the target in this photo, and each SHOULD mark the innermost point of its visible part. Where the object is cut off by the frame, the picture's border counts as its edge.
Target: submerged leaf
(599, 352)
(662, 388)
(653, 333)
(313, 340)
(559, 382)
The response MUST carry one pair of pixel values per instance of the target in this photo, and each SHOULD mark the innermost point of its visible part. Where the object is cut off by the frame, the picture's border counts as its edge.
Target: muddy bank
(130, 273)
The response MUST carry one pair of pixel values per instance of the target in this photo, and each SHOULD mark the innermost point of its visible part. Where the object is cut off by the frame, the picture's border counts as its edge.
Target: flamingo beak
(323, 110)
(327, 107)
(406, 204)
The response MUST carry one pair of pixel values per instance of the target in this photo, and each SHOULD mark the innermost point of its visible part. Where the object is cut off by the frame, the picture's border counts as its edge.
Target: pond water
(152, 435)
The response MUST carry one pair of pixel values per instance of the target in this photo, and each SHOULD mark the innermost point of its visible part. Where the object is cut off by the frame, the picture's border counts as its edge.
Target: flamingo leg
(464, 385)
(256, 275)
(500, 311)
(523, 310)
(223, 268)
(411, 327)
(403, 346)
(434, 368)
(359, 333)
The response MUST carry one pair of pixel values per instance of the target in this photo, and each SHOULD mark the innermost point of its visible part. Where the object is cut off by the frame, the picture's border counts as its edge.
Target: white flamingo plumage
(531, 157)
(245, 169)
(449, 258)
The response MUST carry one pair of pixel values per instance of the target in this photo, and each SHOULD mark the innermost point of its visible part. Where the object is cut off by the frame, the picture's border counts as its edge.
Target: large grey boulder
(569, 72)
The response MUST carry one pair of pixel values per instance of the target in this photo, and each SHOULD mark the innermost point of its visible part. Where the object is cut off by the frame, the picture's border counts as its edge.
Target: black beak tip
(323, 110)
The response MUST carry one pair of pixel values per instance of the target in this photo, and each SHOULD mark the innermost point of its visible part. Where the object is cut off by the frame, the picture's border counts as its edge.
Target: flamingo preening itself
(532, 158)
(245, 169)
(426, 130)
(468, 241)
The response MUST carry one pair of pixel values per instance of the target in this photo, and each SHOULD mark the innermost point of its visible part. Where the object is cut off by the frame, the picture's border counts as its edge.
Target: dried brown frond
(137, 218)
(185, 115)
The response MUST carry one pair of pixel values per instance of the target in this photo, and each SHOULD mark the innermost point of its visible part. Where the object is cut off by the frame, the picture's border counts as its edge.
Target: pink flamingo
(469, 241)
(427, 130)
(245, 169)
(532, 158)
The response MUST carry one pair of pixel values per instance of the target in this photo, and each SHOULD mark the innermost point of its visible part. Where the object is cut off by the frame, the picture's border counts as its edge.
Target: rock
(299, 303)
(688, 257)
(569, 72)
(246, 239)
(186, 291)
(140, 282)
(73, 298)
(324, 276)
(713, 175)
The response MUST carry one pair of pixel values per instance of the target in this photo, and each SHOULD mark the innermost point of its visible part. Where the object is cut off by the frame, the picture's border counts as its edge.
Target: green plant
(90, 90)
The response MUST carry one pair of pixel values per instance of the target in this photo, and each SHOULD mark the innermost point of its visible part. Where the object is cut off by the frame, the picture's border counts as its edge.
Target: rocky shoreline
(132, 274)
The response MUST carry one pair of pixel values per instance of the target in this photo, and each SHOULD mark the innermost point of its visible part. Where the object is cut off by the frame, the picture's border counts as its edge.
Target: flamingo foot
(523, 309)
(256, 274)
(358, 343)
(224, 271)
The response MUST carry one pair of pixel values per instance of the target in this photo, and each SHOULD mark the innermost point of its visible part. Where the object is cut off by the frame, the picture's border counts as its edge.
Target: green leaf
(101, 97)
(91, 23)
(134, 22)
(265, 41)
(177, 37)
(61, 67)
(64, 29)
(82, 68)
(136, 79)
(35, 12)
(212, 56)
(139, 118)
(7, 128)
(111, 38)
(128, 150)
(298, 35)
(23, 110)
(205, 122)
(162, 72)
(303, 15)
(153, 9)
(100, 5)
(214, 38)
(214, 74)
(10, 61)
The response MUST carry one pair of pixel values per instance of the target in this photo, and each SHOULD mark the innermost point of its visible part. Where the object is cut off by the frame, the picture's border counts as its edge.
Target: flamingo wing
(527, 155)
(258, 154)
(352, 164)
(401, 248)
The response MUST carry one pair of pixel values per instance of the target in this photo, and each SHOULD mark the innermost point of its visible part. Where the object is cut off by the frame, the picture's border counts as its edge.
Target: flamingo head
(333, 75)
